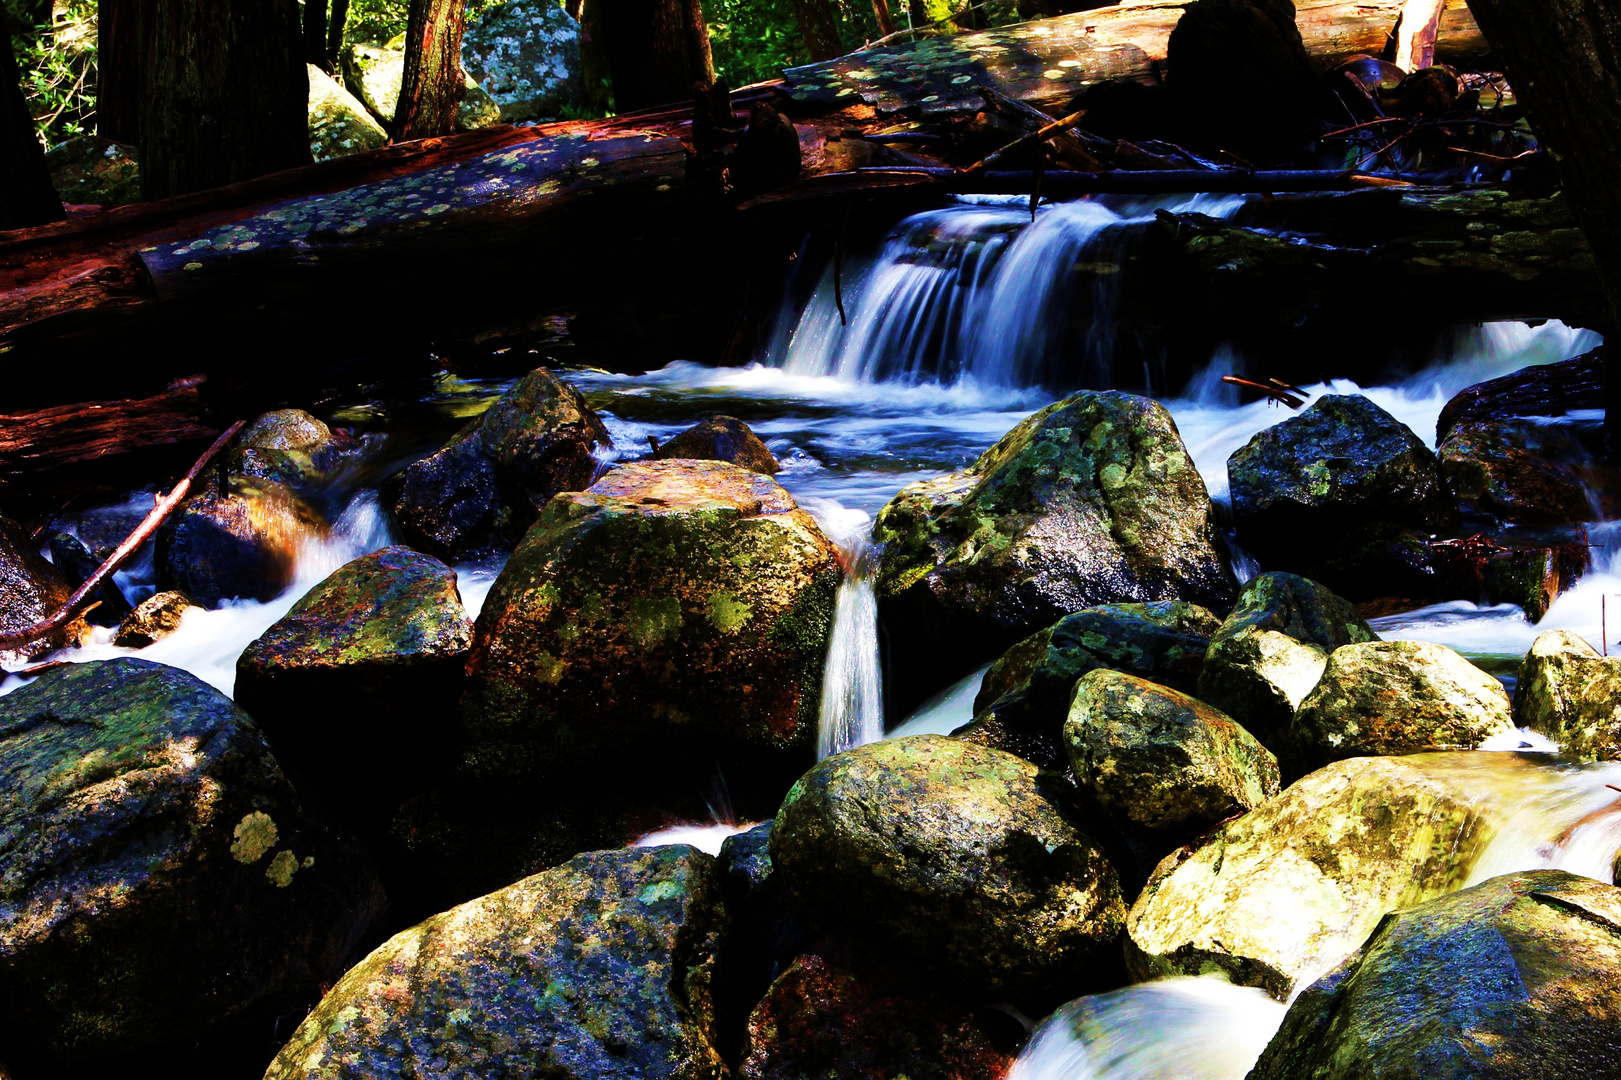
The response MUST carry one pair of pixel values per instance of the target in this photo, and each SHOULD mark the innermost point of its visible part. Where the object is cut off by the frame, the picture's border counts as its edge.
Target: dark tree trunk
(431, 88)
(334, 32)
(886, 21)
(1564, 61)
(657, 50)
(26, 195)
(226, 95)
(315, 34)
(819, 26)
(121, 26)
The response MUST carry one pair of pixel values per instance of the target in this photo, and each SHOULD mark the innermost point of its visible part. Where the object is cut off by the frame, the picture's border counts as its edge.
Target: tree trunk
(334, 32)
(1564, 61)
(26, 195)
(431, 87)
(315, 34)
(657, 50)
(120, 56)
(225, 94)
(819, 26)
(886, 21)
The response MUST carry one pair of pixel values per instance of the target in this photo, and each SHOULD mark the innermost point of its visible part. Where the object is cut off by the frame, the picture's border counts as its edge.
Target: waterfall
(852, 711)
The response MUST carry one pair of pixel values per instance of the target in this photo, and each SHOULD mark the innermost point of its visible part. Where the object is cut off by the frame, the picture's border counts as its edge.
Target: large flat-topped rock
(681, 485)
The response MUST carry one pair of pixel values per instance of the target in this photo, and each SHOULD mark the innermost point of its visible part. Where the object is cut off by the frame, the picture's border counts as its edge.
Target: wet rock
(159, 875)
(95, 171)
(1160, 761)
(77, 564)
(1500, 471)
(1092, 500)
(1514, 979)
(285, 429)
(290, 447)
(1395, 697)
(1491, 573)
(1540, 390)
(1572, 694)
(1272, 649)
(487, 485)
(1025, 695)
(380, 646)
(601, 967)
(338, 123)
(957, 856)
(837, 1012)
(526, 55)
(1290, 888)
(31, 589)
(1326, 493)
(765, 936)
(721, 438)
(153, 619)
(244, 545)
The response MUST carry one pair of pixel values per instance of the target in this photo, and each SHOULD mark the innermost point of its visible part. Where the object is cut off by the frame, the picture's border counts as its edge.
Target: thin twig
(1278, 392)
(1033, 138)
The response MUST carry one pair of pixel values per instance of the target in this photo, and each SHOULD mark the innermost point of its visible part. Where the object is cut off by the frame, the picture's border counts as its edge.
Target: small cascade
(852, 688)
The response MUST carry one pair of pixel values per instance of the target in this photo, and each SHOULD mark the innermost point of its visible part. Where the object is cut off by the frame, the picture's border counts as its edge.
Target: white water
(946, 711)
(852, 708)
(706, 838)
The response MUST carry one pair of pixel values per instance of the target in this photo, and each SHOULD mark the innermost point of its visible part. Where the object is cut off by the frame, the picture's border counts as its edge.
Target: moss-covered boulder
(290, 447)
(1496, 471)
(95, 171)
(1159, 761)
(957, 855)
(1329, 493)
(158, 875)
(1517, 978)
(1395, 697)
(486, 486)
(1092, 500)
(242, 545)
(1025, 695)
(338, 123)
(602, 967)
(153, 619)
(1270, 651)
(1290, 888)
(526, 55)
(1572, 694)
(31, 589)
(721, 438)
(357, 685)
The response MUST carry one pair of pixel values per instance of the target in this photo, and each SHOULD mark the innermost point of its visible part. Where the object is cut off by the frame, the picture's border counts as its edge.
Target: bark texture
(819, 27)
(431, 88)
(120, 54)
(657, 50)
(315, 34)
(26, 195)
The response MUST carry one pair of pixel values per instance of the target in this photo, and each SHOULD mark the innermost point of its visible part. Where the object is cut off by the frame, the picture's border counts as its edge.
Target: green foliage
(378, 22)
(56, 56)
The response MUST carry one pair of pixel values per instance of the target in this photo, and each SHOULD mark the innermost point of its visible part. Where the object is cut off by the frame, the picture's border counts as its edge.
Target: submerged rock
(1395, 697)
(526, 56)
(246, 545)
(338, 123)
(1158, 760)
(158, 875)
(721, 438)
(153, 619)
(1571, 694)
(604, 966)
(1092, 500)
(356, 684)
(958, 856)
(1518, 978)
(31, 589)
(1290, 888)
(1270, 652)
(1025, 695)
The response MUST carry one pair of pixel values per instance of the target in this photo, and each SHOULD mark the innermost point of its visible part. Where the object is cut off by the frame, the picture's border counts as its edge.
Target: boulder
(338, 123)
(356, 685)
(526, 56)
(77, 564)
(486, 486)
(1517, 978)
(477, 109)
(90, 170)
(1157, 760)
(1395, 697)
(1272, 649)
(290, 447)
(1296, 884)
(159, 875)
(153, 619)
(721, 438)
(1571, 694)
(31, 589)
(245, 544)
(1330, 492)
(1538, 390)
(372, 73)
(604, 966)
(1025, 695)
(1092, 500)
(957, 856)
(1512, 473)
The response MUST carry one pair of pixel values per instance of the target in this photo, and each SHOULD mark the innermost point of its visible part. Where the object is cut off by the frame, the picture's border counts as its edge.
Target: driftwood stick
(1279, 392)
(1041, 134)
(160, 512)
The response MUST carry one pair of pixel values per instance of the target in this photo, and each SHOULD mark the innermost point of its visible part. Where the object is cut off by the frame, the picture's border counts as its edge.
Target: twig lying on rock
(1041, 134)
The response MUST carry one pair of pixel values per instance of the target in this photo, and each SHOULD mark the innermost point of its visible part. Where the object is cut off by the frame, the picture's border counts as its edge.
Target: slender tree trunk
(431, 88)
(1564, 61)
(819, 26)
(886, 21)
(121, 26)
(227, 94)
(26, 195)
(315, 34)
(334, 32)
(657, 50)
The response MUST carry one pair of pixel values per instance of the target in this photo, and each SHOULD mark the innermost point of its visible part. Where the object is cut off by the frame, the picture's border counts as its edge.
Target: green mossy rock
(338, 123)
(153, 619)
(1092, 500)
(958, 856)
(526, 55)
(603, 967)
(31, 589)
(1158, 760)
(1270, 652)
(1395, 697)
(158, 875)
(1025, 695)
(721, 438)
(288, 446)
(94, 171)
(1517, 978)
(1290, 888)
(1494, 472)
(1571, 694)
(357, 684)
(245, 545)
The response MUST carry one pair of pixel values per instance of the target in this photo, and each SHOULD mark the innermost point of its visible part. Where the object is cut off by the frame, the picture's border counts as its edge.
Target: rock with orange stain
(245, 544)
